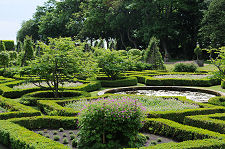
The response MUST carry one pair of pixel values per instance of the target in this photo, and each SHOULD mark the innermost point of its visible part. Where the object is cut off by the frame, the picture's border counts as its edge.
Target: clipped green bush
(110, 123)
(129, 81)
(183, 67)
(220, 100)
(4, 59)
(31, 98)
(2, 46)
(9, 44)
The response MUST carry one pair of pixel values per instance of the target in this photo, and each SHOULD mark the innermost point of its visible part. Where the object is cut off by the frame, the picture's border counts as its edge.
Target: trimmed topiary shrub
(182, 67)
(153, 56)
(118, 83)
(110, 123)
(9, 44)
(4, 58)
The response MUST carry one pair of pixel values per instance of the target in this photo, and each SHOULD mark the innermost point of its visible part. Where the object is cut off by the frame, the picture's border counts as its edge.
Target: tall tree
(212, 32)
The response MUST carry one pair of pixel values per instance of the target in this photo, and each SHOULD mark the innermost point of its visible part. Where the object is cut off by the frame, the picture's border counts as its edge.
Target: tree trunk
(130, 39)
(121, 38)
(167, 55)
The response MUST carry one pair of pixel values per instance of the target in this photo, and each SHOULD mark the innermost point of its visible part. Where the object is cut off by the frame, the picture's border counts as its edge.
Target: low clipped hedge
(128, 81)
(218, 100)
(13, 133)
(16, 109)
(56, 108)
(151, 81)
(177, 131)
(213, 122)
(192, 144)
(223, 84)
(31, 98)
(9, 44)
(7, 91)
(88, 86)
(4, 80)
(192, 137)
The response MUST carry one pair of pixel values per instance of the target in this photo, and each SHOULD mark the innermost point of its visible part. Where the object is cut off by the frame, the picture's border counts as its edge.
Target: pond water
(195, 96)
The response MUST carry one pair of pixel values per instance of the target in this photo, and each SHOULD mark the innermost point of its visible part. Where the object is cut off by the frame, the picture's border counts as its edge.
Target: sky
(13, 13)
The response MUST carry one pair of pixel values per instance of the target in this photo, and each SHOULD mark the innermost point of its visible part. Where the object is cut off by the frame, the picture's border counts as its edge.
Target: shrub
(65, 141)
(74, 142)
(2, 46)
(13, 55)
(9, 44)
(61, 129)
(112, 64)
(153, 56)
(72, 137)
(4, 58)
(56, 138)
(115, 122)
(182, 67)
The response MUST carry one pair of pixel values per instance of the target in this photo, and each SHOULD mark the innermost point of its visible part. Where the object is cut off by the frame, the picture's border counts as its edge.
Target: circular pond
(195, 94)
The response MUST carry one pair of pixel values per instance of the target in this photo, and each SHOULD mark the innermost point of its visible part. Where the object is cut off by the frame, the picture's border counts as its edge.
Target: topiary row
(16, 109)
(128, 81)
(213, 122)
(13, 133)
(32, 98)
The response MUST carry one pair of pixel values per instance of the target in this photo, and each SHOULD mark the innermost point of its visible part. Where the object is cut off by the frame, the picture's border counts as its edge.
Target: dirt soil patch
(66, 134)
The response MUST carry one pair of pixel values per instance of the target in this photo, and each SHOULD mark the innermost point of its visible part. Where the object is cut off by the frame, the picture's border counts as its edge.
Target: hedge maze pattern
(194, 128)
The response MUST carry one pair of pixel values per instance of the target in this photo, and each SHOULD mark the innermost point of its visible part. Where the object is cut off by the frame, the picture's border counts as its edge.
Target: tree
(153, 56)
(212, 31)
(28, 28)
(2, 46)
(111, 63)
(60, 60)
(219, 61)
(28, 50)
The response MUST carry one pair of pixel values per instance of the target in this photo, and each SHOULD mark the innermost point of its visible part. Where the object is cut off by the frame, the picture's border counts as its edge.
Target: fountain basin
(192, 93)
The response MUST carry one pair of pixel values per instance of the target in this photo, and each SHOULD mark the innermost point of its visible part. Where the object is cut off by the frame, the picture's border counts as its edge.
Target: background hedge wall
(9, 44)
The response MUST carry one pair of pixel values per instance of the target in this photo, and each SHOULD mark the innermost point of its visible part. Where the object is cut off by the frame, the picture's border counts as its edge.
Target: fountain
(192, 93)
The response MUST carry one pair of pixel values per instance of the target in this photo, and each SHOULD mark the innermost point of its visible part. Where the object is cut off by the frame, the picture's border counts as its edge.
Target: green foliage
(198, 51)
(220, 101)
(112, 64)
(31, 98)
(212, 30)
(153, 56)
(223, 84)
(9, 45)
(213, 122)
(183, 67)
(116, 123)
(28, 50)
(130, 81)
(219, 61)
(2, 46)
(60, 61)
(16, 109)
(4, 59)
(13, 55)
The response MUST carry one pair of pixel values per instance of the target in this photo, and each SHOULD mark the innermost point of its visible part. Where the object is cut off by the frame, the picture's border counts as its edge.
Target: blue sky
(13, 13)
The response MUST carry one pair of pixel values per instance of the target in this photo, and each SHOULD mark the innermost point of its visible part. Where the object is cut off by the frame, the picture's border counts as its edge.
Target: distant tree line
(178, 24)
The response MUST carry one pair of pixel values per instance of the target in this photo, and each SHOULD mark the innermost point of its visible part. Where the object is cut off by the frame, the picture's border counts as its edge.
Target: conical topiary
(153, 55)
